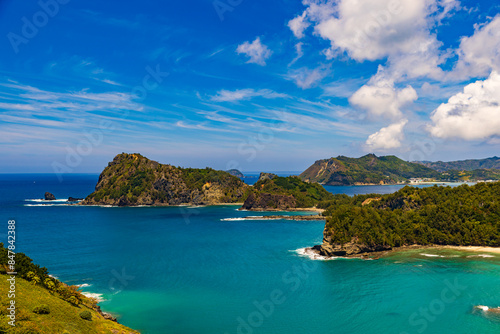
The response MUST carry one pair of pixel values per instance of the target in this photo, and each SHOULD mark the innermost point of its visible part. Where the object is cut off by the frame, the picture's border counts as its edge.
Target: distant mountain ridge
(468, 165)
(368, 169)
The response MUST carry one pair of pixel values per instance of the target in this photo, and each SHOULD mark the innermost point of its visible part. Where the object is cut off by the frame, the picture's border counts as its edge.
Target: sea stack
(49, 197)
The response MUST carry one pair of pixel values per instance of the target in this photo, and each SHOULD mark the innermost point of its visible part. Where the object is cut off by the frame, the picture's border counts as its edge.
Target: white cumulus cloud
(396, 30)
(473, 114)
(256, 51)
(298, 25)
(479, 54)
(381, 99)
(387, 138)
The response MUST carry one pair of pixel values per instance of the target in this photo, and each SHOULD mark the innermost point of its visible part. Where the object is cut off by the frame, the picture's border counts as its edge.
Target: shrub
(86, 315)
(73, 300)
(42, 309)
(49, 284)
(36, 280)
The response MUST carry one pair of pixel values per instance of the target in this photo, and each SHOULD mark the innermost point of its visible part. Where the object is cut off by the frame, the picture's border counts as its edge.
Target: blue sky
(254, 85)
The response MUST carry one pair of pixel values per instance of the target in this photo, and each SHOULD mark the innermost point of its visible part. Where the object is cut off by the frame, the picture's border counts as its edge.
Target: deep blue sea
(187, 270)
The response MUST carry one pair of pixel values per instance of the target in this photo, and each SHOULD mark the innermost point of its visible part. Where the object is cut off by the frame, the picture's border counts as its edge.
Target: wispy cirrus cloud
(306, 78)
(80, 67)
(245, 94)
(33, 99)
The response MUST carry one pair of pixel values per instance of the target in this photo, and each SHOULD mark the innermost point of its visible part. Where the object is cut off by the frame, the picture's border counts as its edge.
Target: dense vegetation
(305, 195)
(131, 179)
(371, 169)
(471, 175)
(464, 215)
(463, 165)
(368, 169)
(46, 305)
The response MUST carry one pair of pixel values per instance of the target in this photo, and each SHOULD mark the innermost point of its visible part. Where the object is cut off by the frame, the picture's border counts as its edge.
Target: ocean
(190, 270)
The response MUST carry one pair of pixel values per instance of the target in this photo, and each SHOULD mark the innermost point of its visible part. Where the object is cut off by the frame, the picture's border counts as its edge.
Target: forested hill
(273, 192)
(468, 165)
(463, 216)
(131, 179)
(368, 169)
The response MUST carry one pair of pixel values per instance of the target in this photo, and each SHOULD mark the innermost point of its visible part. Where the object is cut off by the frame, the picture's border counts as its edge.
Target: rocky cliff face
(352, 248)
(265, 201)
(131, 180)
(266, 176)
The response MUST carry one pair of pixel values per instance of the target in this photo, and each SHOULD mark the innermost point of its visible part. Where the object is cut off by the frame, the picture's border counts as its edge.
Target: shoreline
(279, 217)
(359, 184)
(158, 205)
(317, 210)
(385, 253)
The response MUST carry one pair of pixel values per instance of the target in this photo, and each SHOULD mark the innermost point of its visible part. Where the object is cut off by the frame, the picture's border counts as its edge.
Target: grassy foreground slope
(63, 316)
(461, 216)
(37, 293)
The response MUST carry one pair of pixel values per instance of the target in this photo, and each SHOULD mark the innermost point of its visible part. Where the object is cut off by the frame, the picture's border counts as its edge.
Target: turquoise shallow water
(183, 270)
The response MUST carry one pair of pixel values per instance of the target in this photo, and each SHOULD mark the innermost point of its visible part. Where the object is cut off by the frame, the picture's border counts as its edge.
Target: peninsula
(131, 180)
(433, 216)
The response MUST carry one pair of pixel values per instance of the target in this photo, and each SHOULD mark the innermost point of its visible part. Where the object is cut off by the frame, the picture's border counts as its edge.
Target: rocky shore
(353, 250)
(286, 217)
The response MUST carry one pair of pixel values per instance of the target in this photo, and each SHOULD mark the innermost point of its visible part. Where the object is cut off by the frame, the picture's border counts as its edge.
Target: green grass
(63, 317)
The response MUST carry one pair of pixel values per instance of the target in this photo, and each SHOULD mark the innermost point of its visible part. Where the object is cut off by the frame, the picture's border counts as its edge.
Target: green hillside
(44, 305)
(368, 169)
(463, 165)
(274, 192)
(131, 179)
(463, 216)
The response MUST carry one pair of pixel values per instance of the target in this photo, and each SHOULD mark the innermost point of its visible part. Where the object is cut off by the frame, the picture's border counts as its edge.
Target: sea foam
(96, 296)
(250, 218)
(481, 255)
(41, 200)
(309, 253)
(47, 205)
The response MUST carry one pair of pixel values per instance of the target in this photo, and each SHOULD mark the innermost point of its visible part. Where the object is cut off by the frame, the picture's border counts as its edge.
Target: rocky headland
(132, 180)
